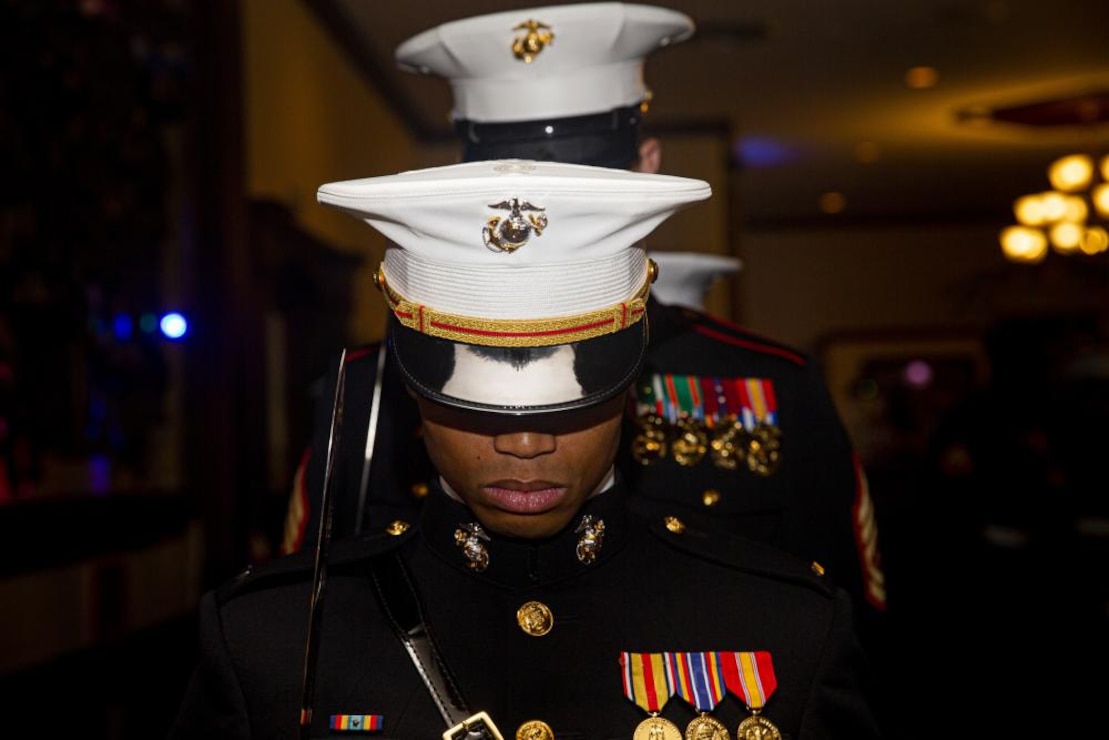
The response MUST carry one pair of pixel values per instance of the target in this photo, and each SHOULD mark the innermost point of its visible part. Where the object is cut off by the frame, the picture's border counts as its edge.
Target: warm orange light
(1071, 173)
(1065, 237)
(1022, 244)
(1054, 205)
(1094, 240)
(922, 78)
(867, 152)
(832, 202)
(1070, 219)
(1029, 210)
(1076, 209)
(1100, 197)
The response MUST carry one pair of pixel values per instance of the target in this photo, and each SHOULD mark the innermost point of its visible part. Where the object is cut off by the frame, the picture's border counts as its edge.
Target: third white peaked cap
(593, 63)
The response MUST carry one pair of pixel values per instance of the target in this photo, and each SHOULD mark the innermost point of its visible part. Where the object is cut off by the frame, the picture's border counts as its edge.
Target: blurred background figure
(685, 278)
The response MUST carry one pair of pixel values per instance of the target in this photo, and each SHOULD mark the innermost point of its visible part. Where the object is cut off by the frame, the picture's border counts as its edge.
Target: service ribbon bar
(757, 402)
(357, 722)
(646, 682)
(710, 400)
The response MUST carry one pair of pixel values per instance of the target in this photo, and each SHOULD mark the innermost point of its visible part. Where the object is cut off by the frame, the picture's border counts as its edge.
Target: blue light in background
(123, 326)
(99, 474)
(174, 326)
(761, 151)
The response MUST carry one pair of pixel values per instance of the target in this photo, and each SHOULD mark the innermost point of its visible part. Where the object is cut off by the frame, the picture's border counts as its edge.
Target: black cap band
(603, 140)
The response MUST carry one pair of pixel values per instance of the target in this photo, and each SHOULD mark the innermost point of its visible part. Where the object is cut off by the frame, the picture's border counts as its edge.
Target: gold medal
(657, 728)
(729, 444)
(706, 727)
(690, 446)
(764, 448)
(649, 444)
(757, 727)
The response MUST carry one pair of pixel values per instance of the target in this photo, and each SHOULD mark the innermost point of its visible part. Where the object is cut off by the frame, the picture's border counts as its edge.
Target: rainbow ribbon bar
(707, 399)
(646, 680)
(749, 676)
(698, 678)
(357, 722)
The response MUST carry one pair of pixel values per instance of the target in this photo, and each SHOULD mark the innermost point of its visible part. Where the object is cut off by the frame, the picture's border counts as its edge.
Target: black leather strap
(401, 604)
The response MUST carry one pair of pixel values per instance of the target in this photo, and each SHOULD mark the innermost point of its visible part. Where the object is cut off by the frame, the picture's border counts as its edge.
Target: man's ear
(650, 156)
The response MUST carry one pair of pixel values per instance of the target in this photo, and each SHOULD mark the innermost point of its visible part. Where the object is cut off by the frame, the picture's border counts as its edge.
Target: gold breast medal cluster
(686, 417)
(701, 679)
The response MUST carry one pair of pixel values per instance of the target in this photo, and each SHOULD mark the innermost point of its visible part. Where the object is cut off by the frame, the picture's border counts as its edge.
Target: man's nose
(524, 444)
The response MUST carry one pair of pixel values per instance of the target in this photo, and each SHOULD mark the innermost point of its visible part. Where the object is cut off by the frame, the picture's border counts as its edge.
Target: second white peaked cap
(685, 277)
(589, 60)
(516, 286)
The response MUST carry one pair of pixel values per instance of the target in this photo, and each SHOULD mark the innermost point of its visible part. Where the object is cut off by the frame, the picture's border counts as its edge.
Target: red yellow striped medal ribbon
(647, 684)
(750, 677)
(699, 679)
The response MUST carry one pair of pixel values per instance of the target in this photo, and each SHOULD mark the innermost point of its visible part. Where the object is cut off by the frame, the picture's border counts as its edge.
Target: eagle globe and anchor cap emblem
(536, 37)
(511, 233)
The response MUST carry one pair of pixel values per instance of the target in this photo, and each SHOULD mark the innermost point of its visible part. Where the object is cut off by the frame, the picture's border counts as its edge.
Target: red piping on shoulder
(355, 354)
(720, 336)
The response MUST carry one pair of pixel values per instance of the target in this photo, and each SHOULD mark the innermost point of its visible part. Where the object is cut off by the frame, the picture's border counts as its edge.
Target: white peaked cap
(589, 59)
(522, 256)
(685, 277)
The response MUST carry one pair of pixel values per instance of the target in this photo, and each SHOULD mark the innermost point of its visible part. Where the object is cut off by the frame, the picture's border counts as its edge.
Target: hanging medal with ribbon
(648, 686)
(687, 414)
(750, 678)
(649, 444)
(734, 421)
(759, 411)
(698, 679)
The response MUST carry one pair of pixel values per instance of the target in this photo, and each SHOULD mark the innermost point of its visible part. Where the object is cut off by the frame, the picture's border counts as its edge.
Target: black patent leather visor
(519, 380)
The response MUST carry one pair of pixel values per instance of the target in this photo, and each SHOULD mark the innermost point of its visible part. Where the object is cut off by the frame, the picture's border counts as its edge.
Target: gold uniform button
(397, 527)
(419, 490)
(535, 730)
(674, 524)
(535, 618)
(817, 568)
(711, 497)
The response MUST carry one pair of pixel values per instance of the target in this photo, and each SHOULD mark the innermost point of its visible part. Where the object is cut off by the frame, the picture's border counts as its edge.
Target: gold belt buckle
(475, 727)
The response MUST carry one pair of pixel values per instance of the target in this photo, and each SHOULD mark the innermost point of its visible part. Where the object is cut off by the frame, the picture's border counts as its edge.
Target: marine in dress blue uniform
(726, 426)
(556, 609)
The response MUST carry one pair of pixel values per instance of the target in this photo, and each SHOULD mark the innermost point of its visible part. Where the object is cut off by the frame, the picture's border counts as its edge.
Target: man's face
(523, 476)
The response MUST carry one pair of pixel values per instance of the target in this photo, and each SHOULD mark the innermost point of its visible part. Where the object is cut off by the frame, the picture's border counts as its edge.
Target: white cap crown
(557, 61)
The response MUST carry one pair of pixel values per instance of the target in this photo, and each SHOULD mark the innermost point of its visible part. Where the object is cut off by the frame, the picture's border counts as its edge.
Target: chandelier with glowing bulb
(1070, 219)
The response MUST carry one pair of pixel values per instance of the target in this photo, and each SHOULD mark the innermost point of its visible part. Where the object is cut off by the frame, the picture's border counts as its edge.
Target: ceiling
(813, 95)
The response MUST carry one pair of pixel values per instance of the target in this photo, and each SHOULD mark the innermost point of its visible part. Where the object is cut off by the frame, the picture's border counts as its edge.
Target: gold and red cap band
(538, 332)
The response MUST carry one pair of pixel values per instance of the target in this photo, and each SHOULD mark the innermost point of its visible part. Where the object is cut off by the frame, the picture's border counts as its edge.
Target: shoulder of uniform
(739, 553)
(674, 320)
(363, 353)
(299, 567)
(726, 332)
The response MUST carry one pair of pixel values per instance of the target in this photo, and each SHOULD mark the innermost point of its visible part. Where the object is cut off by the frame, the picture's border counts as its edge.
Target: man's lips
(524, 497)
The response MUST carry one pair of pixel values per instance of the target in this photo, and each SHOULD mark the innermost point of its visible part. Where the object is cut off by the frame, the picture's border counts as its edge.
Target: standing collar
(518, 562)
